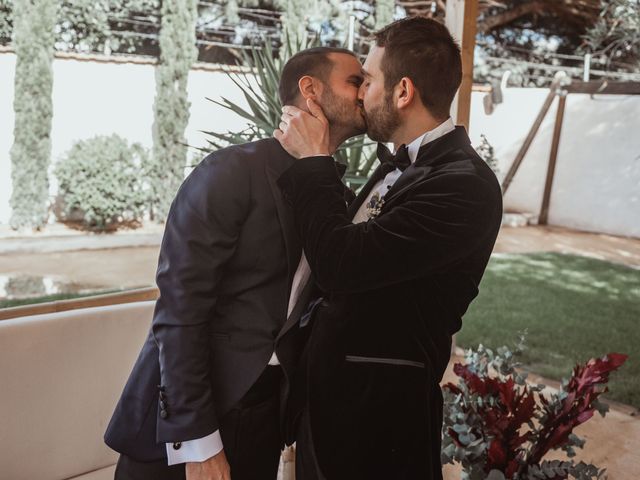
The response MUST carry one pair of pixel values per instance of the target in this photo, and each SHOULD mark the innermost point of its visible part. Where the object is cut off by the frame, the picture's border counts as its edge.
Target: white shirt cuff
(197, 450)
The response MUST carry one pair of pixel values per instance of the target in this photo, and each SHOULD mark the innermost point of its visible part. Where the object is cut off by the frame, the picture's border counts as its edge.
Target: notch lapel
(274, 167)
(298, 309)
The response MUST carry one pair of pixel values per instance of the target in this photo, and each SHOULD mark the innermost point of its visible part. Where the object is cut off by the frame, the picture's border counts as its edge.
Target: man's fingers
(283, 126)
(278, 134)
(290, 110)
(315, 110)
(287, 119)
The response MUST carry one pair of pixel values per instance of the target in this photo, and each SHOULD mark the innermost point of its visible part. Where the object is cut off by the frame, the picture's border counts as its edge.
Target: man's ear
(405, 92)
(309, 87)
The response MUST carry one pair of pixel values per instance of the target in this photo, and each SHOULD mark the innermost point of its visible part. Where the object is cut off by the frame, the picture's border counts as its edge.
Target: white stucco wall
(597, 183)
(7, 69)
(96, 98)
(597, 180)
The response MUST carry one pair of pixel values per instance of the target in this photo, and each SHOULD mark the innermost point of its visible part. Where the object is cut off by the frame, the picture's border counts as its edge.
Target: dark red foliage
(515, 406)
(502, 421)
(475, 384)
(578, 406)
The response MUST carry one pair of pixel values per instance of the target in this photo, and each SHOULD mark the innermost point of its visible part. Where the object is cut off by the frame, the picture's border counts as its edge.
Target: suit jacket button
(164, 414)
(177, 445)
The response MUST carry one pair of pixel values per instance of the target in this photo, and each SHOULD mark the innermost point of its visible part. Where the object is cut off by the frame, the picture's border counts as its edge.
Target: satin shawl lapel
(428, 155)
(274, 167)
(364, 192)
(410, 177)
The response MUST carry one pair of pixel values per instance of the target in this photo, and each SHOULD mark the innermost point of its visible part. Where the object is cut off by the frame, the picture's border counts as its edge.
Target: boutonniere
(375, 205)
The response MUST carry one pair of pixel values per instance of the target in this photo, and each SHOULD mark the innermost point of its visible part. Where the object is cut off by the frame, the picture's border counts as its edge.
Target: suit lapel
(427, 157)
(299, 308)
(274, 167)
(411, 176)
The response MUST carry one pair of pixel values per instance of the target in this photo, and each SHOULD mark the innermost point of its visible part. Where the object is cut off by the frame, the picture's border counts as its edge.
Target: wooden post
(527, 142)
(553, 156)
(138, 295)
(461, 20)
(468, 46)
(553, 90)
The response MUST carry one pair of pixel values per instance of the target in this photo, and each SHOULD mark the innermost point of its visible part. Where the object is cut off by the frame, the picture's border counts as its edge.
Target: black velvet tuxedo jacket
(396, 288)
(226, 264)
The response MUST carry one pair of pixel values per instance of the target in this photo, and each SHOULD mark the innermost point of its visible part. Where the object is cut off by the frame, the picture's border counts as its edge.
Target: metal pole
(352, 31)
(587, 67)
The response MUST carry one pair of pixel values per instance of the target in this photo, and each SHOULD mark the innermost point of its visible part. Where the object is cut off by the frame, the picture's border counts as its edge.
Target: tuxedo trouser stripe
(386, 361)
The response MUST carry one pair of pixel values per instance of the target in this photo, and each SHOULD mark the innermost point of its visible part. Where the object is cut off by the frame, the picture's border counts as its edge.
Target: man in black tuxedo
(204, 398)
(398, 267)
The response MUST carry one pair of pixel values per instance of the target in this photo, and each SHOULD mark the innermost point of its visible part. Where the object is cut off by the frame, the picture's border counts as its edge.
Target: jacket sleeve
(201, 234)
(441, 220)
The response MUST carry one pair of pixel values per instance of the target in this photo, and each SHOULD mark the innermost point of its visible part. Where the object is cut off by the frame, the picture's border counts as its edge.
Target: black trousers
(250, 434)
(306, 462)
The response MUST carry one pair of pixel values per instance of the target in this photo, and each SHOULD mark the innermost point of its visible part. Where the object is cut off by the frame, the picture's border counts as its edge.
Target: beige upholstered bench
(60, 377)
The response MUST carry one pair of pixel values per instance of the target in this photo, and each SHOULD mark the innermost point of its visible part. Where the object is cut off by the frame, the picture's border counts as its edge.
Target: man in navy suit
(206, 395)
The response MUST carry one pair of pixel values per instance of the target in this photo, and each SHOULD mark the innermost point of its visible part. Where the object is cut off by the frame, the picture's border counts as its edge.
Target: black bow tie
(389, 162)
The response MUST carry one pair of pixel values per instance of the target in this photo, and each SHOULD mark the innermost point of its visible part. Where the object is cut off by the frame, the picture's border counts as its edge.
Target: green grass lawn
(574, 308)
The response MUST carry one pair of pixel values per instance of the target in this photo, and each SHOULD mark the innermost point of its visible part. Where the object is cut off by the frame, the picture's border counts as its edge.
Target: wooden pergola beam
(461, 19)
(604, 87)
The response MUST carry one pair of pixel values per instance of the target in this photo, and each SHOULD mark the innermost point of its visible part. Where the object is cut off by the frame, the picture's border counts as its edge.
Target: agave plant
(259, 86)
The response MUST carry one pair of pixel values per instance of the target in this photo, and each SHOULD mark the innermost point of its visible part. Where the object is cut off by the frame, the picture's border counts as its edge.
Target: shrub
(33, 40)
(100, 186)
(177, 41)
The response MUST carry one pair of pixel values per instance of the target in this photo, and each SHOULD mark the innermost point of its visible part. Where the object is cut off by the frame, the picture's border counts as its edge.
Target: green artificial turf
(573, 308)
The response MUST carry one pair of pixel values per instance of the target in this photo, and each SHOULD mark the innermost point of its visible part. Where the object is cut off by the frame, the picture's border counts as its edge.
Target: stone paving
(128, 259)
(621, 250)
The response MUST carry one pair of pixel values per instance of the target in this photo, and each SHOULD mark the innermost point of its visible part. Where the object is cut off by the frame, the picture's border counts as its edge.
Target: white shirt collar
(441, 130)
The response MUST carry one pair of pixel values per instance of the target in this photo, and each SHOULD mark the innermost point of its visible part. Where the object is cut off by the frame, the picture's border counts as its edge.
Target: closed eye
(357, 81)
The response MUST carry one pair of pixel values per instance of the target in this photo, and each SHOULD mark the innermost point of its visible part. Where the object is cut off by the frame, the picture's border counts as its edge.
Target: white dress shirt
(201, 449)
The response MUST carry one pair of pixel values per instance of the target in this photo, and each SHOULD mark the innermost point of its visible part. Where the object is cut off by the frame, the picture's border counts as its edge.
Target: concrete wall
(597, 185)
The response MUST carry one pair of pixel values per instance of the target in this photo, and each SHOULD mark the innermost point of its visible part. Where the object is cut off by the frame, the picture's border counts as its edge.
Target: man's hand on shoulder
(303, 134)
(215, 468)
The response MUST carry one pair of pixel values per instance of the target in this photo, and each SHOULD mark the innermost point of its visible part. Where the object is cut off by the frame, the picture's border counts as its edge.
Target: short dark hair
(314, 62)
(423, 50)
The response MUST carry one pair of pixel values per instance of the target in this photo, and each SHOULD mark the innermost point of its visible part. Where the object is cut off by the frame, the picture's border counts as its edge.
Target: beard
(343, 116)
(382, 120)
